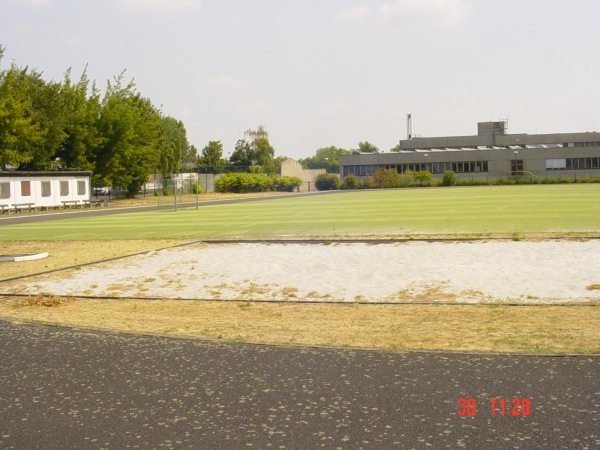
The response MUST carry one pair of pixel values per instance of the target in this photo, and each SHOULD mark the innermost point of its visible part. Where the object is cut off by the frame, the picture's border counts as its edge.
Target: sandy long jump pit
(491, 271)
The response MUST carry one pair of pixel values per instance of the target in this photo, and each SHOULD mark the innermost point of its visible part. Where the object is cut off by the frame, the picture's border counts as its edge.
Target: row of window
(46, 189)
(434, 168)
(573, 163)
(468, 166)
(586, 144)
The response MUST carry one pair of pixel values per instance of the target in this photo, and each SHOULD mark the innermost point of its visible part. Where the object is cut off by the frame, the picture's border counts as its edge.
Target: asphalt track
(67, 389)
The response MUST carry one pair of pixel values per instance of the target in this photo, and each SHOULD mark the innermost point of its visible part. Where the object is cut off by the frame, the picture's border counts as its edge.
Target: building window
(436, 168)
(4, 190)
(582, 163)
(46, 189)
(556, 164)
(81, 187)
(64, 188)
(26, 188)
(587, 144)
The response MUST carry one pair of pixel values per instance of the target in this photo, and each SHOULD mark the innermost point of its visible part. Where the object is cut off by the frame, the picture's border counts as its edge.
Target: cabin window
(26, 188)
(64, 188)
(4, 190)
(46, 190)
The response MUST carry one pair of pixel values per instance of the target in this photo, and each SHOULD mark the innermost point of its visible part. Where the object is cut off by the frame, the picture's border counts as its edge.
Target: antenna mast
(409, 125)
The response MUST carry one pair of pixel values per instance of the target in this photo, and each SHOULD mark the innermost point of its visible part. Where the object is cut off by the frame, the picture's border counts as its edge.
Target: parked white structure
(32, 190)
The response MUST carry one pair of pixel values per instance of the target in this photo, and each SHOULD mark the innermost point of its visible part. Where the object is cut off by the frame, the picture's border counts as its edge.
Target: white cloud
(433, 12)
(253, 107)
(227, 82)
(160, 5)
(353, 14)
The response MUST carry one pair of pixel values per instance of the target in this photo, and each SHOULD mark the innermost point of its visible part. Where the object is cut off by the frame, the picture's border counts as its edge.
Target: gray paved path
(67, 389)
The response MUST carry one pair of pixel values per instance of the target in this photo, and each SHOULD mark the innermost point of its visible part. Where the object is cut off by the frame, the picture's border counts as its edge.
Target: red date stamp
(499, 407)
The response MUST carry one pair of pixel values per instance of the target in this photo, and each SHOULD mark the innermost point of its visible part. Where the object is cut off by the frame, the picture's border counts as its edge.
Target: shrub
(387, 178)
(449, 178)
(241, 183)
(196, 188)
(423, 177)
(287, 184)
(244, 182)
(327, 182)
(351, 182)
(406, 179)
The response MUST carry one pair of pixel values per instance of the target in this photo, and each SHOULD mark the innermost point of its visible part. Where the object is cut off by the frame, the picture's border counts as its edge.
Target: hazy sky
(327, 72)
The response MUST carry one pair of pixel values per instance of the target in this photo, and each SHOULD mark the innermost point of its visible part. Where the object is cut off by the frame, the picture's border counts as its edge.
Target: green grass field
(458, 210)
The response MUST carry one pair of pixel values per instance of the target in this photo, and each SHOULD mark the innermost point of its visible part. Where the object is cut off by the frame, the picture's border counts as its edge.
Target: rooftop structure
(494, 135)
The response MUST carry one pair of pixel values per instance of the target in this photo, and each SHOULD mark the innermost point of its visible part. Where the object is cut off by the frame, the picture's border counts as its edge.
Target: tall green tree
(49, 111)
(82, 111)
(261, 151)
(173, 145)
(367, 147)
(327, 158)
(212, 156)
(131, 127)
(242, 154)
(22, 132)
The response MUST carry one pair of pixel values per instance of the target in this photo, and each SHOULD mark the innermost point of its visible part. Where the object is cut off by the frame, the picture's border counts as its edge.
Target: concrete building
(492, 153)
(31, 190)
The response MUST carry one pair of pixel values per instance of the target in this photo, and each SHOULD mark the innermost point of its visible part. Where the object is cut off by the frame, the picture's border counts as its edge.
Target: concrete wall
(292, 168)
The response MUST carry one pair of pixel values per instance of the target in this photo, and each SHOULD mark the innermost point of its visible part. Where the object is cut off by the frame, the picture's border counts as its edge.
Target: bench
(94, 203)
(47, 207)
(6, 208)
(20, 207)
(71, 203)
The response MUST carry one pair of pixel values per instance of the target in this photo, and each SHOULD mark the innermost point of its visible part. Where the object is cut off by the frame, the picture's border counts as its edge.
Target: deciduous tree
(212, 156)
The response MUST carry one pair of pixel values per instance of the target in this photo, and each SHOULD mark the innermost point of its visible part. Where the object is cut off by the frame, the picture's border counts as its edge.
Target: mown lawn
(458, 210)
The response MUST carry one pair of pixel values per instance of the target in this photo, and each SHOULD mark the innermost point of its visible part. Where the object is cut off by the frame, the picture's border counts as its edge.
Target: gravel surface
(488, 271)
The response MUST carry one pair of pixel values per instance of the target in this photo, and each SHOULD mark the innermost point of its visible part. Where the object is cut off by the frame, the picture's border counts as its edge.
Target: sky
(320, 73)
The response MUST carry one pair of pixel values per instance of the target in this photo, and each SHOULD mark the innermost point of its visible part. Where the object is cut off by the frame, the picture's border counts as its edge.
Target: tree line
(328, 158)
(119, 135)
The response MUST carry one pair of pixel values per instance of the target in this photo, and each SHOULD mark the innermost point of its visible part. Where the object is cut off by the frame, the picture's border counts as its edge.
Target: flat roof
(45, 173)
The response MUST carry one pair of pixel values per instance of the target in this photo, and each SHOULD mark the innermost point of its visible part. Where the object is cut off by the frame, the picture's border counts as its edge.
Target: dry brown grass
(49, 300)
(593, 287)
(484, 328)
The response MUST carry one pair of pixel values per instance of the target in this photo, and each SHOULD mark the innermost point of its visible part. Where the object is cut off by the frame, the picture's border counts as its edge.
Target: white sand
(528, 272)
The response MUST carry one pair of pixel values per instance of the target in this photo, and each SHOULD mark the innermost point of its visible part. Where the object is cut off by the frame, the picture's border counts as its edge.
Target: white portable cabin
(44, 189)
